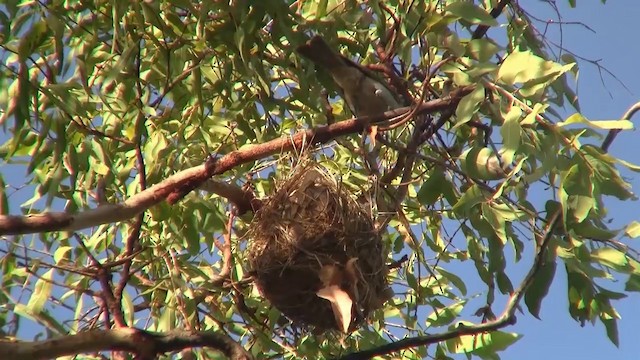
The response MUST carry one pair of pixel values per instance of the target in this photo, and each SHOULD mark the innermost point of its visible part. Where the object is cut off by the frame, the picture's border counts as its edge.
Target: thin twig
(614, 132)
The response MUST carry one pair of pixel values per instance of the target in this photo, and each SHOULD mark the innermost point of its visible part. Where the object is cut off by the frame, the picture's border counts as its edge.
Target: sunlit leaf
(41, 292)
(633, 229)
(610, 257)
(598, 124)
(511, 133)
(484, 342)
(522, 67)
(446, 315)
(61, 253)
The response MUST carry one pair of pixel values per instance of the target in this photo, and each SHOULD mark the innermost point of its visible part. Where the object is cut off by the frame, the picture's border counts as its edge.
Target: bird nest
(312, 237)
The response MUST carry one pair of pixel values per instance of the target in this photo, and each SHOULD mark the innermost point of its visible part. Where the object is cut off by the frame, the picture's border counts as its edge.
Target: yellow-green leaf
(485, 342)
(598, 124)
(41, 292)
(633, 229)
(510, 132)
(524, 66)
(610, 257)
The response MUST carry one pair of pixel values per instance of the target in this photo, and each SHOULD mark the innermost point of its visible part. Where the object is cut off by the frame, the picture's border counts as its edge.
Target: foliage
(101, 100)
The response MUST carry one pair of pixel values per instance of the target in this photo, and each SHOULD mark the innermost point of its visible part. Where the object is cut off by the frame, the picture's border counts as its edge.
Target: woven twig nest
(310, 232)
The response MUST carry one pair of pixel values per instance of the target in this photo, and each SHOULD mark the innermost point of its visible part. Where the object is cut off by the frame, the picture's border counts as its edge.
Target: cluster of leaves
(103, 99)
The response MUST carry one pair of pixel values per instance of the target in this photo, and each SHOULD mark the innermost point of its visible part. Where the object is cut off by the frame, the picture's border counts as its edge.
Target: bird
(362, 91)
(339, 287)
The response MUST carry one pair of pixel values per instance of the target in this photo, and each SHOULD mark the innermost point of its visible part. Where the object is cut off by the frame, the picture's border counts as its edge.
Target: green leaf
(190, 233)
(61, 253)
(41, 292)
(484, 343)
(468, 106)
(580, 294)
(633, 283)
(607, 179)
(481, 163)
(454, 279)
(167, 318)
(35, 37)
(538, 109)
(127, 308)
(526, 67)
(588, 230)
(511, 133)
(581, 206)
(446, 315)
(472, 13)
(504, 283)
(611, 326)
(539, 287)
(4, 201)
(630, 166)
(482, 50)
(633, 229)
(598, 124)
(432, 188)
(611, 257)
(496, 221)
(575, 182)
(469, 199)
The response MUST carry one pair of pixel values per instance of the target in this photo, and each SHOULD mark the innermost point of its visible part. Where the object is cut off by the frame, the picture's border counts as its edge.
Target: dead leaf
(341, 305)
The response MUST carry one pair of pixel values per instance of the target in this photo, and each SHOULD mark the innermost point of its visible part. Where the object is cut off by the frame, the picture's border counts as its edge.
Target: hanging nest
(309, 230)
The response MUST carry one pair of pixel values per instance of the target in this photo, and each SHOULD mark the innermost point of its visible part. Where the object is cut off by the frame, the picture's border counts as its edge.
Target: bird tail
(318, 51)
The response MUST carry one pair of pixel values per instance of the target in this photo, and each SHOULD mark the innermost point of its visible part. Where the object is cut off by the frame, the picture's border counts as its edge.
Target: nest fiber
(311, 222)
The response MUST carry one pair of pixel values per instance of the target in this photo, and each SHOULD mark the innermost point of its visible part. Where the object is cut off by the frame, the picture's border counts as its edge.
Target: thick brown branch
(146, 345)
(176, 186)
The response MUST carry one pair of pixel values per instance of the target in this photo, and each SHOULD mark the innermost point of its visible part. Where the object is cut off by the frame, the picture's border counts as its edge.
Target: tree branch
(614, 132)
(178, 185)
(243, 200)
(145, 344)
